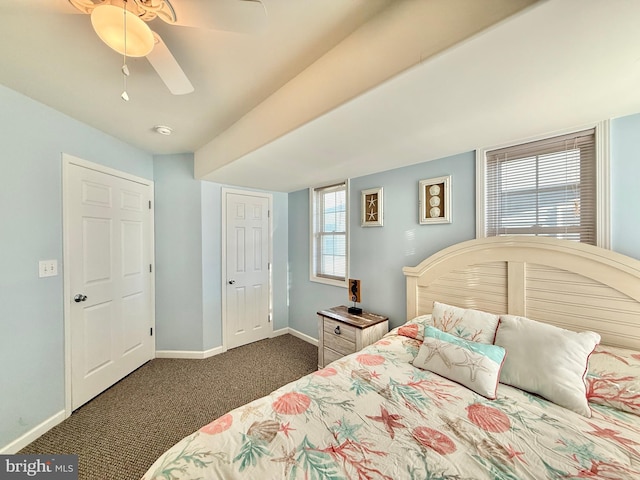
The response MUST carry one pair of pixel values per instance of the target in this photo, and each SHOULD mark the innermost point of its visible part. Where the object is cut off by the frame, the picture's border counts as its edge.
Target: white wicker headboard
(564, 283)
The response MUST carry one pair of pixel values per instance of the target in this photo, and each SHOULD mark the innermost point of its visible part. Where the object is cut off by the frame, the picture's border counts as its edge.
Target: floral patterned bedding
(373, 415)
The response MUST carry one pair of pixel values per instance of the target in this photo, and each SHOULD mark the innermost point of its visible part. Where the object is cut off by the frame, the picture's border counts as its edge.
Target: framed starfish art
(372, 207)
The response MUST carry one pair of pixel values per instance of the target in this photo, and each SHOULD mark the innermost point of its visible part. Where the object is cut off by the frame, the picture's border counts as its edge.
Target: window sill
(329, 281)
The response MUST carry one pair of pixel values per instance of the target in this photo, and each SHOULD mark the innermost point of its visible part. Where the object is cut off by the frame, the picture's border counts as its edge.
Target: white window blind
(543, 188)
(330, 232)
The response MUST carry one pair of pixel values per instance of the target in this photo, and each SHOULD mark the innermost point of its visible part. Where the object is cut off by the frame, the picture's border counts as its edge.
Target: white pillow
(547, 360)
(466, 323)
(474, 365)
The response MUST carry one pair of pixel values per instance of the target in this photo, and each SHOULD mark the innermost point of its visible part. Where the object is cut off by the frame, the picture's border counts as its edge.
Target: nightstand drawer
(339, 344)
(331, 356)
(340, 333)
(339, 337)
(339, 329)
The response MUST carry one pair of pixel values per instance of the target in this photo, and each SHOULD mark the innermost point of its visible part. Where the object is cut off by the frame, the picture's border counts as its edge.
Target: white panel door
(247, 269)
(109, 256)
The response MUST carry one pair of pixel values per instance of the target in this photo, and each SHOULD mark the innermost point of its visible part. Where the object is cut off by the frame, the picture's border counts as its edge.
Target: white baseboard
(192, 354)
(33, 434)
(277, 333)
(189, 354)
(295, 333)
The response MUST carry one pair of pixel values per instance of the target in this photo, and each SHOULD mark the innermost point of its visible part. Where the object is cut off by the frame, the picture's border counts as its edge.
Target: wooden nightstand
(341, 333)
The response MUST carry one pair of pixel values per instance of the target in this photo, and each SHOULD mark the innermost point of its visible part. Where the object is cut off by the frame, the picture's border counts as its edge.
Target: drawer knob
(337, 330)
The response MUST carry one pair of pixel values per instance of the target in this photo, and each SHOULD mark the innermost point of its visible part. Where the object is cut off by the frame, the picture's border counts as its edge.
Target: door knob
(79, 298)
(231, 282)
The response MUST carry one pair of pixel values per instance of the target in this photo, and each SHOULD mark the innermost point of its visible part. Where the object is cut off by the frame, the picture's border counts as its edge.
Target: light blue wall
(211, 270)
(187, 266)
(179, 267)
(305, 297)
(188, 245)
(280, 250)
(625, 185)
(377, 254)
(188, 222)
(33, 138)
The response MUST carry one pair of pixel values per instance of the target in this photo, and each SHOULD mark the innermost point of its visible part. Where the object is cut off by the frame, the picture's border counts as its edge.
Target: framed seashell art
(372, 207)
(435, 200)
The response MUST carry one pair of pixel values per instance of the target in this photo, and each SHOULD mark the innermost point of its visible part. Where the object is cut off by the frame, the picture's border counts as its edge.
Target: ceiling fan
(107, 19)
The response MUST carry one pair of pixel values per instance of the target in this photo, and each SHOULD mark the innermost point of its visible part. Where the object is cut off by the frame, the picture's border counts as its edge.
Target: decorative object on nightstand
(341, 333)
(354, 295)
(435, 200)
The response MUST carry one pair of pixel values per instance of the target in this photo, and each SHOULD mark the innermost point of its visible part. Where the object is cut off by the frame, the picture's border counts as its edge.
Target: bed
(557, 323)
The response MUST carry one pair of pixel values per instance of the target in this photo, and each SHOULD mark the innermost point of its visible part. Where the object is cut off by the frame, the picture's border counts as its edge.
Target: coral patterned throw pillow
(472, 325)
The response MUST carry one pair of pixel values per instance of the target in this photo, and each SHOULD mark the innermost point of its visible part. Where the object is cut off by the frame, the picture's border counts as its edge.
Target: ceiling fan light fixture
(107, 21)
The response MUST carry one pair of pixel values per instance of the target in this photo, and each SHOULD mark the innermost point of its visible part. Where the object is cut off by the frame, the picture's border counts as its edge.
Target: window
(329, 234)
(548, 187)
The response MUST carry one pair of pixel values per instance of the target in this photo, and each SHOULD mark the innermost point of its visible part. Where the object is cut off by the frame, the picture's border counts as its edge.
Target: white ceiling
(332, 89)
(56, 58)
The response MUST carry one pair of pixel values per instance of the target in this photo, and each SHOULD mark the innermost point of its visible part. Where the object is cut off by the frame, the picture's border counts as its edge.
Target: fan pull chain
(125, 69)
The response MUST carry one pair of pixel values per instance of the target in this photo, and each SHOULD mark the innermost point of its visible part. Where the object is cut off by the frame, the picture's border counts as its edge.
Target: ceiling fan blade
(168, 69)
(242, 16)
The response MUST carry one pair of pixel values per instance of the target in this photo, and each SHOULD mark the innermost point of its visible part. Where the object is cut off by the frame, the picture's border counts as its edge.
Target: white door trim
(67, 161)
(223, 261)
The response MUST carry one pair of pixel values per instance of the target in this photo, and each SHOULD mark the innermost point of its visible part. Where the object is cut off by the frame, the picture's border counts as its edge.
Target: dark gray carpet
(120, 433)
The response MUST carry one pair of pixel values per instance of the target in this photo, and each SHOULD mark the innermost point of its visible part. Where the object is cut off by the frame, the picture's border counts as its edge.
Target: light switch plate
(48, 268)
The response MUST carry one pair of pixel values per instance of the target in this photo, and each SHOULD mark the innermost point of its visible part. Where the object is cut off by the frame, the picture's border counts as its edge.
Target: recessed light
(163, 129)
